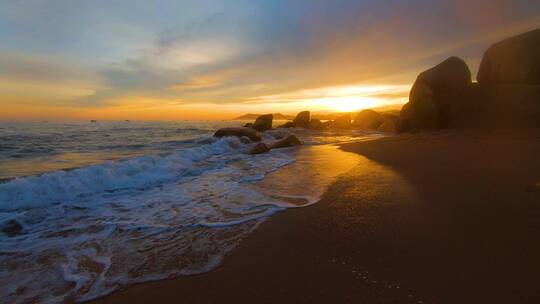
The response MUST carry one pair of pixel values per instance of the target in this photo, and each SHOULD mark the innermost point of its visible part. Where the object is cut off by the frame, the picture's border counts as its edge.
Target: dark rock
(316, 124)
(263, 123)
(515, 60)
(287, 141)
(248, 125)
(12, 228)
(436, 94)
(259, 148)
(239, 132)
(288, 124)
(342, 122)
(302, 119)
(367, 119)
(390, 123)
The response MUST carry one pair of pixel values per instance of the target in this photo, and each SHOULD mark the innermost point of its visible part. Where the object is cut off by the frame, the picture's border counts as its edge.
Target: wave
(86, 232)
(135, 173)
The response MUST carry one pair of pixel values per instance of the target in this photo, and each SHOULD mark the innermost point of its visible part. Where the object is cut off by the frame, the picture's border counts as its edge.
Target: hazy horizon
(168, 60)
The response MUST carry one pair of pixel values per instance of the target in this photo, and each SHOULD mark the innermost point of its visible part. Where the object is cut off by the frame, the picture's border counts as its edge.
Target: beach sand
(444, 217)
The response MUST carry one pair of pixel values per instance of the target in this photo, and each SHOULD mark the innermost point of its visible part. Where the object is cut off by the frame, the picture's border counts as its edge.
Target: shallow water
(171, 205)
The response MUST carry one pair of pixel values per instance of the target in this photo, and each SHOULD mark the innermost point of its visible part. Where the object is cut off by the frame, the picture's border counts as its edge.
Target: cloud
(239, 51)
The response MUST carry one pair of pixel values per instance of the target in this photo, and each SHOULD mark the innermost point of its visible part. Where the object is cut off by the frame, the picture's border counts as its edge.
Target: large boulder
(515, 60)
(367, 119)
(342, 122)
(288, 141)
(302, 119)
(263, 123)
(250, 133)
(436, 94)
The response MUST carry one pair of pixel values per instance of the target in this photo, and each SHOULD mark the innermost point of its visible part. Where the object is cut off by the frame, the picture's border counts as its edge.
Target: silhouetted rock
(12, 228)
(367, 119)
(316, 124)
(248, 125)
(263, 123)
(259, 148)
(287, 141)
(390, 123)
(435, 94)
(288, 124)
(342, 122)
(515, 60)
(239, 132)
(302, 119)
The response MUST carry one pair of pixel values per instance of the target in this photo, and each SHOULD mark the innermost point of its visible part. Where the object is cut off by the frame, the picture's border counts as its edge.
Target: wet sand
(448, 217)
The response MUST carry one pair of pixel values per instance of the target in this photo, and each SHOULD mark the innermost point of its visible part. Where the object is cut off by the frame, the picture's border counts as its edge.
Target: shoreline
(424, 217)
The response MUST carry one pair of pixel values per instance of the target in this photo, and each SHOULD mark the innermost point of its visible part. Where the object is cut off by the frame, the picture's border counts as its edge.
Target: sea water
(97, 206)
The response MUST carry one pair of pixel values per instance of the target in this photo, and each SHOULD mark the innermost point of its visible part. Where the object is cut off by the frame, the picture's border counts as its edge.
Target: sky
(216, 59)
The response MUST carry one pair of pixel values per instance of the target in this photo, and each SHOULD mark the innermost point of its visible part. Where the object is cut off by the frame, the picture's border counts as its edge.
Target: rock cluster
(507, 93)
(252, 132)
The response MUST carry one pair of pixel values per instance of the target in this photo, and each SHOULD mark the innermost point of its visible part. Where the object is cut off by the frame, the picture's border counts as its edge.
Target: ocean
(89, 207)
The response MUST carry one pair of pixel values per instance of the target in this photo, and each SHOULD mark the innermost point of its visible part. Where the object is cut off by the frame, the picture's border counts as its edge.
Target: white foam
(90, 231)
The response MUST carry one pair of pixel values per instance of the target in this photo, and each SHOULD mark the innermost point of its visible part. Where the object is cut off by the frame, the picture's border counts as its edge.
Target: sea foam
(89, 231)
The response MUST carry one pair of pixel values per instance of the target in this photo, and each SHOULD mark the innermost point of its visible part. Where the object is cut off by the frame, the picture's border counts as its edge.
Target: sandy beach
(442, 217)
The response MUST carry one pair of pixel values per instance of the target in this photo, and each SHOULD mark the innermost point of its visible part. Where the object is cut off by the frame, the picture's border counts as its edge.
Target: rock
(515, 60)
(436, 94)
(259, 148)
(390, 124)
(343, 122)
(12, 228)
(288, 124)
(248, 125)
(302, 119)
(316, 124)
(250, 133)
(367, 119)
(451, 73)
(263, 123)
(287, 141)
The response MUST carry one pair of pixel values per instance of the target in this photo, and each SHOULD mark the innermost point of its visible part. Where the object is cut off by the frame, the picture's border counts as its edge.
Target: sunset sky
(217, 59)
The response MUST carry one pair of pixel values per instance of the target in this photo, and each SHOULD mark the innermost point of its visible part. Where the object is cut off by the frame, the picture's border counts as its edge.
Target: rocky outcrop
(342, 122)
(302, 119)
(514, 61)
(263, 123)
(288, 140)
(250, 133)
(436, 94)
(367, 119)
